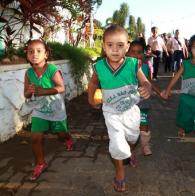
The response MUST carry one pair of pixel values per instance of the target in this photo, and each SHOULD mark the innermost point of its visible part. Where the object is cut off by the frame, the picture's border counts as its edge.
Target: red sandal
(38, 170)
(69, 144)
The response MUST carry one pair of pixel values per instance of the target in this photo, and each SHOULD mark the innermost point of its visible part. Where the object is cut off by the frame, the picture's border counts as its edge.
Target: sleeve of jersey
(52, 69)
(184, 64)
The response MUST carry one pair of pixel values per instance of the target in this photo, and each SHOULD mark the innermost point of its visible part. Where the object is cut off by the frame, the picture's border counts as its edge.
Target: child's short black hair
(29, 42)
(154, 28)
(191, 42)
(114, 29)
(136, 43)
(148, 47)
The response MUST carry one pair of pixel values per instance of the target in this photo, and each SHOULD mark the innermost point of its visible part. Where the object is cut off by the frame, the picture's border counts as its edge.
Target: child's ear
(128, 45)
(46, 55)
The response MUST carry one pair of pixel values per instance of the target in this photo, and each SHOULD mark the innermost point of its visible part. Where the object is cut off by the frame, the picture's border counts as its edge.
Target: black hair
(136, 43)
(191, 42)
(154, 28)
(29, 42)
(114, 29)
(148, 46)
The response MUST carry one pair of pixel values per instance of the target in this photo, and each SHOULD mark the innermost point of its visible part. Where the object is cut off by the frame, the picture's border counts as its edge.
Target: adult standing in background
(180, 52)
(157, 44)
(169, 59)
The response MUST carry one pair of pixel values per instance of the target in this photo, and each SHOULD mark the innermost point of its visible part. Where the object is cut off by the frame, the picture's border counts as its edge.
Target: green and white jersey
(50, 107)
(188, 78)
(119, 87)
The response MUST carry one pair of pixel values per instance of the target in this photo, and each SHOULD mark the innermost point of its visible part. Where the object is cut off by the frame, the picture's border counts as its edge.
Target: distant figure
(157, 44)
(118, 76)
(148, 59)
(180, 52)
(186, 109)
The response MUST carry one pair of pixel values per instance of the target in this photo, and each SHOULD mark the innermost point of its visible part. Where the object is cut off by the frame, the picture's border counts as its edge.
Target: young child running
(185, 119)
(136, 50)
(44, 83)
(118, 77)
(148, 59)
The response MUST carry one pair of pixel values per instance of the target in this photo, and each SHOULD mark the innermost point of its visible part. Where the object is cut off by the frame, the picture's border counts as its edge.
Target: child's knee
(36, 138)
(120, 151)
(61, 136)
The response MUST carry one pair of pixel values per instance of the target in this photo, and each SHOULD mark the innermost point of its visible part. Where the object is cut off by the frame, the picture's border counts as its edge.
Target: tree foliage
(132, 27)
(140, 26)
(120, 16)
(43, 16)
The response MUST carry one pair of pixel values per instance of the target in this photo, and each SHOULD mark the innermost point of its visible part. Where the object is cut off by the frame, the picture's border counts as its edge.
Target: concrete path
(88, 170)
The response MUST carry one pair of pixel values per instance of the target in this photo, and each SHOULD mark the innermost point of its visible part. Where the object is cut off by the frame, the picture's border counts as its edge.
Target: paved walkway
(88, 169)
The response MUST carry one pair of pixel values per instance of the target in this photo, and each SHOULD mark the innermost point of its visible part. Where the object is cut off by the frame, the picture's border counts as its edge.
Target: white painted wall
(11, 95)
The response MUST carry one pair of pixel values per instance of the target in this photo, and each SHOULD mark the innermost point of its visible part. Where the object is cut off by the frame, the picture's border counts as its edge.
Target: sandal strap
(119, 182)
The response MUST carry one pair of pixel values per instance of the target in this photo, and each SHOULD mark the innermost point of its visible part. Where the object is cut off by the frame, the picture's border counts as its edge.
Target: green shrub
(78, 58)
(93, 52)
(20, 52)
(57, 50)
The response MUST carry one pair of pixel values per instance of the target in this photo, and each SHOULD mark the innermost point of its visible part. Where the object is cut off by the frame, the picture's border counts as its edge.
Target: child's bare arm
(145, 89)
(93, 85)
(29, 89)
(58, 88)
(156, 88)
(165, 94)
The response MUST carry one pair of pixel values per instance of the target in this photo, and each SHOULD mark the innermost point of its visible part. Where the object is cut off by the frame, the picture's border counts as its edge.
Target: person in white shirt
(179, 49)
(157, 44)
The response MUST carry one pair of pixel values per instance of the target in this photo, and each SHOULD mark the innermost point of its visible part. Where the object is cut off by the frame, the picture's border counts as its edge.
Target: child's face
(115, 46)
(37, 54)
(136, 51)
(155, 32)
(149, 50)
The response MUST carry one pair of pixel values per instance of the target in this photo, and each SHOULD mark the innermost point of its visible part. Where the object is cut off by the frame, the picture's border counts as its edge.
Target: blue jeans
(177, 60)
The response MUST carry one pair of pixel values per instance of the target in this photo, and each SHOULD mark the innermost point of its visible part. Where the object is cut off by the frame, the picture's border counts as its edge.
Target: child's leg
(67, 139)
(40, 163)
(61, 128)
(133, 159)
(120, 130)
(37, 147)
(145, 135)
(119, 182)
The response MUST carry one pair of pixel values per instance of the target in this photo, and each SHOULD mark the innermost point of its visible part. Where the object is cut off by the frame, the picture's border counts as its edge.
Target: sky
(168, 15)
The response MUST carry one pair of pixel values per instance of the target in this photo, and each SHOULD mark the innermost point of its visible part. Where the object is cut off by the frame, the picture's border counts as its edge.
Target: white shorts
(122, 128)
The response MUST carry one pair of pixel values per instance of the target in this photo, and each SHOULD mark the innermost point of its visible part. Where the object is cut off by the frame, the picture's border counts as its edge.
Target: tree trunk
(91, 40)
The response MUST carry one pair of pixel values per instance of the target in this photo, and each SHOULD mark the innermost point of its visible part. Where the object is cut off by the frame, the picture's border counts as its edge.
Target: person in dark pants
(179, 49)
(157, 44)
(167, 60)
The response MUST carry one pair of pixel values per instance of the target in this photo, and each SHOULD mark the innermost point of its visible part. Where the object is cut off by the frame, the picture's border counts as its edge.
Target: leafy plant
(28, 14)
(79, 59)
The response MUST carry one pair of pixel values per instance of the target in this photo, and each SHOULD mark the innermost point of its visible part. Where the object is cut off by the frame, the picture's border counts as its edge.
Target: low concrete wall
(11, 94)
